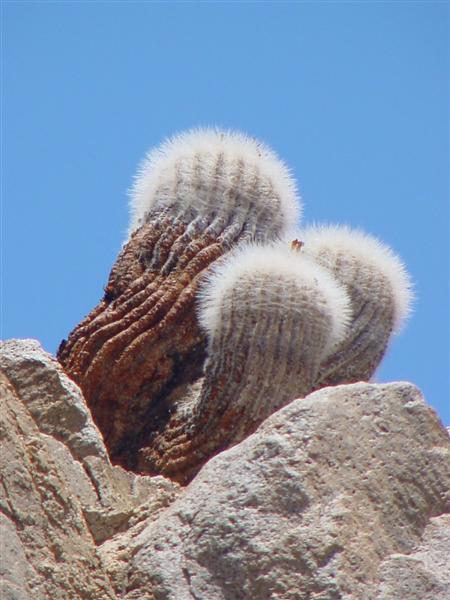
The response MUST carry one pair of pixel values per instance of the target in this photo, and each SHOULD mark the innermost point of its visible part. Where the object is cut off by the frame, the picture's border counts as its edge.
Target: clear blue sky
(353, 96)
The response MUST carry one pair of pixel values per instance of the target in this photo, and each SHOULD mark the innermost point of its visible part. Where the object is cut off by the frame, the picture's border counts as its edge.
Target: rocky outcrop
(60, 496)
(343, 494)
(308, 506)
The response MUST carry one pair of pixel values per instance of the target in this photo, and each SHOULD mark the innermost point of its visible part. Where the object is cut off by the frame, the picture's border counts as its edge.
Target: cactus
(194, 198)
(211, 211)
(272, 316)
(221, 177)
(380, 291)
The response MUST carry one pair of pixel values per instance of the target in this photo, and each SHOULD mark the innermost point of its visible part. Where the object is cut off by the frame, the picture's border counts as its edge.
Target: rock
(39, 477)
(52, 399)
(308, 506)
(60, 495)
(14, 568)
(425, 573)
(342, 495)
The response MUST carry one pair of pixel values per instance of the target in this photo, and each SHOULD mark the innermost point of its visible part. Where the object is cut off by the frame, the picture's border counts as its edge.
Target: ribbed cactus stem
(380, 292)
(271, 317)
(208, 171)
(194, 199)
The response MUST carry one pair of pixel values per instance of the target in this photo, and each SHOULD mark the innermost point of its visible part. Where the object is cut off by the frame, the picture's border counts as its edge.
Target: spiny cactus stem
(119, 349)
(380, 293)
(265, 353)
(194, 198)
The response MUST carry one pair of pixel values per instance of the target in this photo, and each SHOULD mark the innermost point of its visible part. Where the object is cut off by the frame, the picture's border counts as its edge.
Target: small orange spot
(297, 245)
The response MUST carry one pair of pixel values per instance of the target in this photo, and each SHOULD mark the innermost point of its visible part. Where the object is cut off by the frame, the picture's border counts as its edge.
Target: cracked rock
(342, 495)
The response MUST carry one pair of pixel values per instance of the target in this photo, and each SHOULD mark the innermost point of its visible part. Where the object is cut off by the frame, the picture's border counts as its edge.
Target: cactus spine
(380, 292)
(209, 213)
(194, 198)
(271, 316)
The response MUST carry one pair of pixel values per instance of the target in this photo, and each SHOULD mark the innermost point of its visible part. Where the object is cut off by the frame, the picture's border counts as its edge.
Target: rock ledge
(343, 494)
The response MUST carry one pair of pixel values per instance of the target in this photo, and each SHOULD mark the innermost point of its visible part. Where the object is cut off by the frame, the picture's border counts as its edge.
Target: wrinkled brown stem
(143, 341)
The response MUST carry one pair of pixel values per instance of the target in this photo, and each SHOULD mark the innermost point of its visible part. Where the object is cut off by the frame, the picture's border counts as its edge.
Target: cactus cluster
(219, 311)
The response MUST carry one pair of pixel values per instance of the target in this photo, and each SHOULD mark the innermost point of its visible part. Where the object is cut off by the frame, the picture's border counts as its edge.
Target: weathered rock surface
(344, 494)
(425, 573)
(60, 496)
(308, 506)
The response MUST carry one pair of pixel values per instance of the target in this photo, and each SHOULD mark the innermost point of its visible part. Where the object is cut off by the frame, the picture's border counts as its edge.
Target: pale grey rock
(59, 495)
(344, 494)
(425, 573)
(40, 496)
(14, 568)
(307, 507)
(54, 401)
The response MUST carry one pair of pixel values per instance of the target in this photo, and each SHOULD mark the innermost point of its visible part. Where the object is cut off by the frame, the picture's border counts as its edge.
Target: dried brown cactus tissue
(194, 198)
(271, 316)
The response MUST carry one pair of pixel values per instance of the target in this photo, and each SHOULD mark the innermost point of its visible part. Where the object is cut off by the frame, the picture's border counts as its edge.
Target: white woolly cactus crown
(331, 243)
(209, 170)
(266, 266)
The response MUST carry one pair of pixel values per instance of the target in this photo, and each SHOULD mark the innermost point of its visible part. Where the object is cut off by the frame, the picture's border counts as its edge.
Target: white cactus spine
(274, 314)
(380, 291)
(219, 175)
(271, 316)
